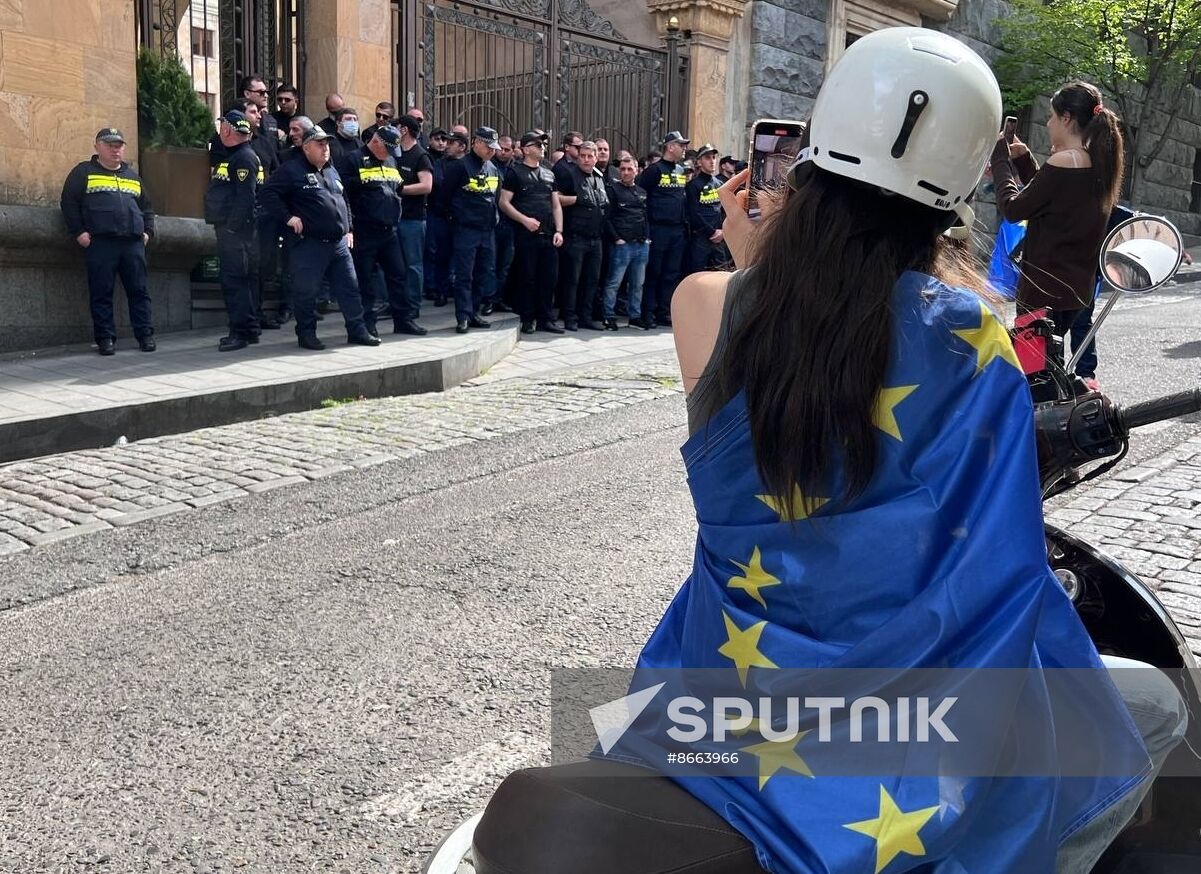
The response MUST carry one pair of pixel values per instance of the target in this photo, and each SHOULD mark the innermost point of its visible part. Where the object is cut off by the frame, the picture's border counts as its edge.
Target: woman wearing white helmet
(861, 437)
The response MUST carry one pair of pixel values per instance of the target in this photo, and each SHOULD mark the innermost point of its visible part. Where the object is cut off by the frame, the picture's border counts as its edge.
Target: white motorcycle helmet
(910, 110)
(1137, 265)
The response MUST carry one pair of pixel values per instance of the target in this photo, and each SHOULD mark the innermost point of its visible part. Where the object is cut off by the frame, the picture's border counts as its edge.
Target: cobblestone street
(57, 497)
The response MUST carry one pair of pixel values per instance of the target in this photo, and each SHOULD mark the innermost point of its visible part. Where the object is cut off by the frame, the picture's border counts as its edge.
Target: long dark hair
(1100, 130)
(812, 348)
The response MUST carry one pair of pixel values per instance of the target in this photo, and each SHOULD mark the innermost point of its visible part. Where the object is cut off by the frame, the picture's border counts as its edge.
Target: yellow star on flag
(802, 507)
(990, 341)
(754, 579)
(742, 647)
(739, 732)
(895, 832)
(778, 755)
(884, 416)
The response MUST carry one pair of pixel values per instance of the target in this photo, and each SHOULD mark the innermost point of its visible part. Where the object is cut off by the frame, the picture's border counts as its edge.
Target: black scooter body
(1124, 618)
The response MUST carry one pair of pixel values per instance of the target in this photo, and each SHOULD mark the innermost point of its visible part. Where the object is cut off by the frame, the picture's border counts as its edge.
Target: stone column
(349, 50)
(708, 26)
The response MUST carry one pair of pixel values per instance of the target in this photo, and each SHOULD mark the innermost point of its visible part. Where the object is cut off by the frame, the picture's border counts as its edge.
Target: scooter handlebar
(1180, 404)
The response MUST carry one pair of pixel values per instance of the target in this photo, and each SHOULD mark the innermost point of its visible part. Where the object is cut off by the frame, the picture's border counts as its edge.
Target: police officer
(229, 205)
(583, 225)
(438, 240)
(664, 181)
(373, 184)
(505, 158)
(474, 182)
(704, 213)
(109, 215)
(307, 196)
(531, 202)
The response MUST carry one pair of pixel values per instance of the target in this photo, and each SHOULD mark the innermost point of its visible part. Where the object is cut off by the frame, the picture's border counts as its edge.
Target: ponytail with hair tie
(1097, 109)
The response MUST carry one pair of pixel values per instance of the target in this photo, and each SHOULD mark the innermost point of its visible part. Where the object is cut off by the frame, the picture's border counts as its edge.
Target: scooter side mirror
(1141, 254)
(1138, 256)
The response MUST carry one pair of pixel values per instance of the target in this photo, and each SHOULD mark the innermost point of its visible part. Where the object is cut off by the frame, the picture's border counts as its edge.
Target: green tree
(170, 113)
(1144, 54)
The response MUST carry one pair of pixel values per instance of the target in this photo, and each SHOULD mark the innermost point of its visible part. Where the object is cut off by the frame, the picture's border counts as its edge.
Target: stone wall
(787, 57)
(787, 52)
(43, 278)
(67, 69)
(1166, 183)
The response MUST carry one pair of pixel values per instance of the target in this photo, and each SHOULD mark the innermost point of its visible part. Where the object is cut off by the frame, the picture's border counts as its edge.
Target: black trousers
(663, 269)
(536, 271)
(239, 256)
(582, 261)
(599, 817)
(108, 257)
(382, 247)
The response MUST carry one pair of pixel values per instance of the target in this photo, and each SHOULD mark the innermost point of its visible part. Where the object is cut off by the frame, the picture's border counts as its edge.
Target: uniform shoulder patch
(243, 175)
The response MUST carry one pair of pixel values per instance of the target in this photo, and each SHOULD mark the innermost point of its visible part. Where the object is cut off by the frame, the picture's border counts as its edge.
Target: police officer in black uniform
(373, 185)
(663, 182)
(438, 239)
(307, 196)
(704, 213)
(109, 215)
(584, 226)
(475, 183)
(530, 200)
(229, 206)
(504, 159)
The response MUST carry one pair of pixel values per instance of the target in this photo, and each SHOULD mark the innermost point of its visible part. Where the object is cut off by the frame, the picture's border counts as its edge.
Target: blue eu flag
(940, 563)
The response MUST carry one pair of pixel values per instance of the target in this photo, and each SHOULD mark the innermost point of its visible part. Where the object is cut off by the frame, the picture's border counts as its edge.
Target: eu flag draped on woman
(913, 573)
(929, 554)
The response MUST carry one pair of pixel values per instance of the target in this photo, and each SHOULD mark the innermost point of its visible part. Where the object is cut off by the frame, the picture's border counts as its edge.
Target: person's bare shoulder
(1070, 158)
(696, 309)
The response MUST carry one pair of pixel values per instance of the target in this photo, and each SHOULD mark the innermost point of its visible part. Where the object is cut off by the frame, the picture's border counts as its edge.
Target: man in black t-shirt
(529, 197)
(584, 224)
(417, 181)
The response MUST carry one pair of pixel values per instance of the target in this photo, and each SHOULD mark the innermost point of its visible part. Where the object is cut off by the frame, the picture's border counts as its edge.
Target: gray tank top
(707, 397)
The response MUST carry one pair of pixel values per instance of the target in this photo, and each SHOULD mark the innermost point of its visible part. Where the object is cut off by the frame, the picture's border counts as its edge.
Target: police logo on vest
(243, 175)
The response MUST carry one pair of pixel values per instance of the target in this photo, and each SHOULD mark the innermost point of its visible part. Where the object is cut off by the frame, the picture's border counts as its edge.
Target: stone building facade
(791, 43)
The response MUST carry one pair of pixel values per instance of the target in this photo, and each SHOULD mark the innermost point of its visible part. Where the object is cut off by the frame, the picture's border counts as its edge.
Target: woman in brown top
(1066, 203)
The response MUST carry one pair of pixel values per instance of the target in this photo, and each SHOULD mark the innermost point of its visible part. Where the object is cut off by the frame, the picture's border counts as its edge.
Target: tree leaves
(170, 113)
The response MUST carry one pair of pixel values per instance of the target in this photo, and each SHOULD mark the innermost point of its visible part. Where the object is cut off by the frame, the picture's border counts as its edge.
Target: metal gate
(220, 41)
(550, 64)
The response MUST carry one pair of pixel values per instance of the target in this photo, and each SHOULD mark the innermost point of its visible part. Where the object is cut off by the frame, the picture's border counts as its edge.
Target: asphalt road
(326, 677)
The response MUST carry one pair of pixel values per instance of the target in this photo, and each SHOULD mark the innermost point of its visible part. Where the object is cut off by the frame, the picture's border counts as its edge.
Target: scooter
(1082, 435)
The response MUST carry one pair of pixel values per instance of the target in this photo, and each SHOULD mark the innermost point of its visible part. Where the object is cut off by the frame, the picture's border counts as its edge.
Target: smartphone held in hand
(1010, 128)
(775, 144)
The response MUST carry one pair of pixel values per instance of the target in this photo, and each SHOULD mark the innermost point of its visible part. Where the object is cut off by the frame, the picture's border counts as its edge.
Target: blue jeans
(1161, 717)
(412, 246)
(474, 267)
(1087, 365)
(628, 260)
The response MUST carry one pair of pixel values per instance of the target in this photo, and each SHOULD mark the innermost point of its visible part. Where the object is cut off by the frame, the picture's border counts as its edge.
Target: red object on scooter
(1031, 331)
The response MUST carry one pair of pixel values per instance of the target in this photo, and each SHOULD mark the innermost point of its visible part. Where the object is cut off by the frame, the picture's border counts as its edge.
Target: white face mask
(350, 128)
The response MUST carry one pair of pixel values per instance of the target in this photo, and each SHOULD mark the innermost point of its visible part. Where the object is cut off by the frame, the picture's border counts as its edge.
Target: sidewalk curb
(89, 429)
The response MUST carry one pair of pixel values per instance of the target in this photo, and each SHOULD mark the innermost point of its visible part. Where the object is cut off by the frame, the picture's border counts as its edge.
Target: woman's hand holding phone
(738, 229)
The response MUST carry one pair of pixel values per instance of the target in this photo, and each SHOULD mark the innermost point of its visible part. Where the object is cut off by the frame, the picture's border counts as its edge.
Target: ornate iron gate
(220, 41)
(550, 64)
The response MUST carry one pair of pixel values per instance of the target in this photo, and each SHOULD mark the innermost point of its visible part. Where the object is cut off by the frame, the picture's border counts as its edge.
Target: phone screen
(775, 146)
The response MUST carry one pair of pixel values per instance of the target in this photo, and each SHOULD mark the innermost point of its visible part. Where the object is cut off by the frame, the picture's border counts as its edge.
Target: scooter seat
(602, 817)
